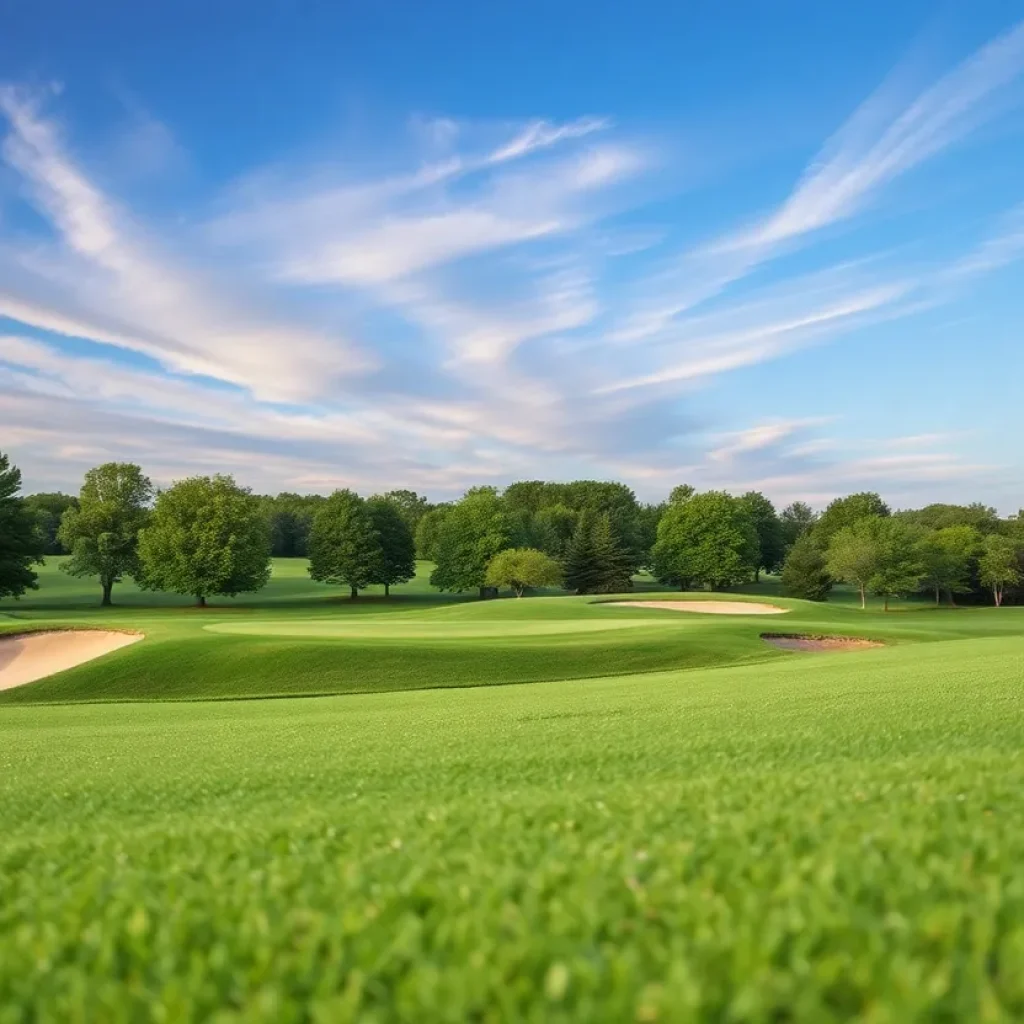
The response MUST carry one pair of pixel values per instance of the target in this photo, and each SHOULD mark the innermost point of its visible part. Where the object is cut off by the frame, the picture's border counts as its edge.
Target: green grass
(298, 638)
(686, 825)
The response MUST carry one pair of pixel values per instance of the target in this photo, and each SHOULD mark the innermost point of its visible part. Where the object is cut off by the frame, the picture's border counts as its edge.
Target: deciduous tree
(771, 547)
(900, 565)
(397, 549)
(523, 569)
(845, 512)
(472, 532)
(48, 507)
(206, 536)
(949, 555)
(877, 553)
(650, 516)
(999, 565)
(795, 519)
(428, 530)
(102, 531)
(708, 540)
(681, 493)
(804, 573)
(291, 518)
(940, 516)
(412, 507)
(553, 527)
(344, 545)
(853, 557)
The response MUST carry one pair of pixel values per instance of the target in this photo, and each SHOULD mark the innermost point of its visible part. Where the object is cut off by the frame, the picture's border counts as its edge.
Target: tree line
(207, 536)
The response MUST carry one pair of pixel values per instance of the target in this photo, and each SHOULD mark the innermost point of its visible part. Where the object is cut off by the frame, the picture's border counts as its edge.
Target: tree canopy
(844, 512)
(206, 536)
(982, 518)
(47, 508)
(853, 556)
(471, 533)
(804, 573)
(397, 561)
(877, 553)
(102, 530)
(949, 556)
(291, 517)
(344, 545)
(708, 540)
(795, 520)
(999, 565)
(900, 566)
(412, 507)
(428, 530)
(523, 569)
(770, 543)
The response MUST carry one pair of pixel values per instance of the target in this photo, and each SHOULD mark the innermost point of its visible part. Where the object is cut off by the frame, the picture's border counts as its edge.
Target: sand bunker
(707, 607)
(26, 657)
(817, 643)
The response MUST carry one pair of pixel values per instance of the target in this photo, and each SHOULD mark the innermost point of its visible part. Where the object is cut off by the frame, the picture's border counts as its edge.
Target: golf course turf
(673, 821)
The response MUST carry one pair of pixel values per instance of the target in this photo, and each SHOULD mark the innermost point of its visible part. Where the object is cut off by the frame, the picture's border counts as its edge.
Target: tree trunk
(863, 599)
(936, 595)
(107, 588)
(200, 600)
(757, 575)
(952, 599)
(519, 591)
(387, 589)
(355, 593)
(997, 593)
(885, 607)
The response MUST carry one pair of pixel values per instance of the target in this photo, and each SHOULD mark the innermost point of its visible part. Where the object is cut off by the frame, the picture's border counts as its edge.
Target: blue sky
(435, 245)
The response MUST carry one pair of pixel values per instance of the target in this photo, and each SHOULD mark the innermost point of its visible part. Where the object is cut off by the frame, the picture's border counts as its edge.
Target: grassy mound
(299, 639)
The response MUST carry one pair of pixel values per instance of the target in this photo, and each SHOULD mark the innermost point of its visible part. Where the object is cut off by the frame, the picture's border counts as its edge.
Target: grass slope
(300, 638)
(808, 839)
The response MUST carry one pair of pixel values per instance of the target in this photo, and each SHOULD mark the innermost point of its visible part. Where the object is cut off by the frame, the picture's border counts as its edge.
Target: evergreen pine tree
(580, 569)
(613, 564)
(21, 543)
(596, 563)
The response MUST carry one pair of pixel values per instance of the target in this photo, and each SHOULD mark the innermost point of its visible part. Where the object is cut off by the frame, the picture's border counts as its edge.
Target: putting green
(442, 628)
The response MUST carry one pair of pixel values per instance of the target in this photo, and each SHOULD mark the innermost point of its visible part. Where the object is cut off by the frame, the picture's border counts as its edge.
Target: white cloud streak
(459, 321)
(166, 313)
(883, 140)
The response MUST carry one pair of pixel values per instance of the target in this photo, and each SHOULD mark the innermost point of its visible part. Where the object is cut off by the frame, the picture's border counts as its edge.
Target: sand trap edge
(816, 644)
(13, 675)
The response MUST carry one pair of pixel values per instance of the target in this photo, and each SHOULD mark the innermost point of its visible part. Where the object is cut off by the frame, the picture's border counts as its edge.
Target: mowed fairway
(672, 821)
(300, 638)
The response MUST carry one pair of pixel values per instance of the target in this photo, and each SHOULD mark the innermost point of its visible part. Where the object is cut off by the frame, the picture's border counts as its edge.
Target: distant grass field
(673, 822)
(301, 638)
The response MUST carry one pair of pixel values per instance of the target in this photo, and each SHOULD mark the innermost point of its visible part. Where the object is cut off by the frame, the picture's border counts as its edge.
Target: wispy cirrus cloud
(354, 245)
(462, 316)
(887, 137)
(103, 280)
